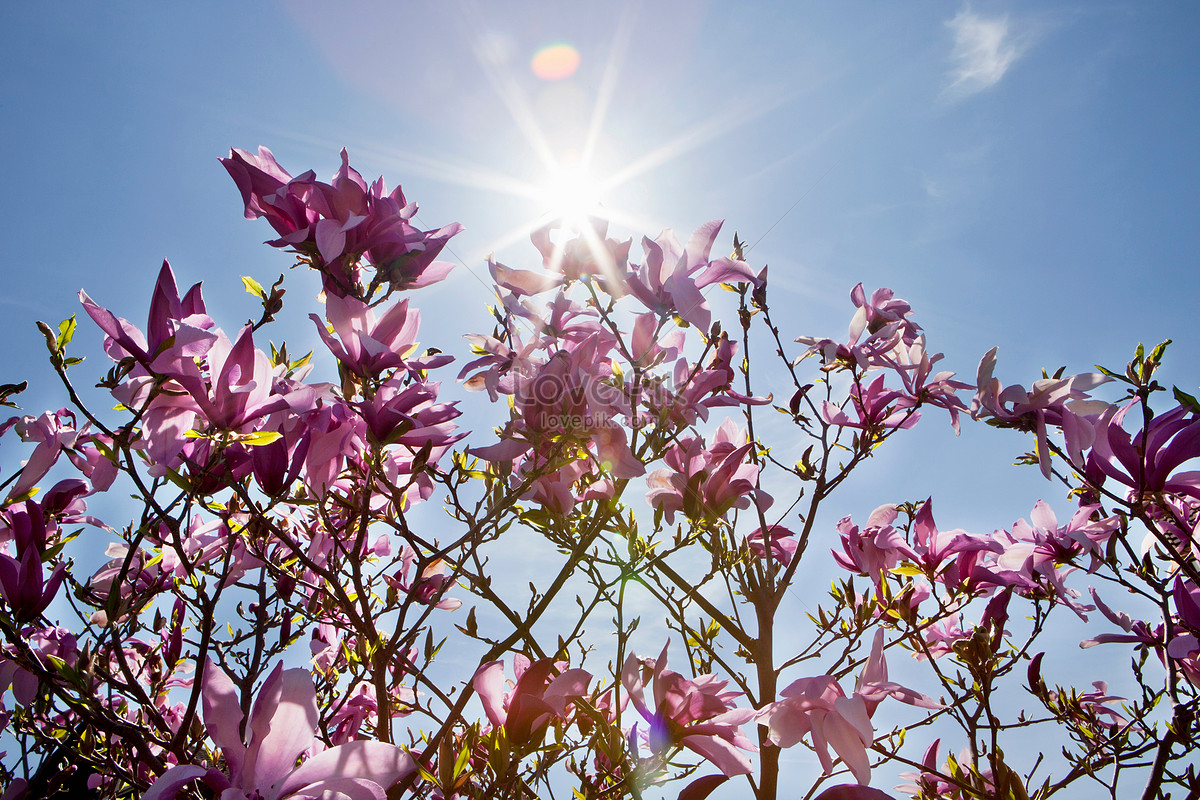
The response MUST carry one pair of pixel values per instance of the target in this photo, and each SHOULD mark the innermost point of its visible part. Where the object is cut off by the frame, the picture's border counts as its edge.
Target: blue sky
(1025, 174)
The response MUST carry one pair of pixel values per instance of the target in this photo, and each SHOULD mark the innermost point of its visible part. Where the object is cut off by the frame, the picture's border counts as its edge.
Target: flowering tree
(276, 619)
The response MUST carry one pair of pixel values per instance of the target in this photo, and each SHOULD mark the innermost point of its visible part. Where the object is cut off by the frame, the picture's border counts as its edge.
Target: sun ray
(608, 84)
(699, 135)
(462, 173)
(509, 93)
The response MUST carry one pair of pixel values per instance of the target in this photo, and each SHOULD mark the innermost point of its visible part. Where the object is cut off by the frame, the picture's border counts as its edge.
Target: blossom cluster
(280, 620)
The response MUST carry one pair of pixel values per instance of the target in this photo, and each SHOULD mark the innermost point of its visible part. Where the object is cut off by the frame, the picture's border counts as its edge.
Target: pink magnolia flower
(694, 389)
(23, 585)
(1045, 404)
(523, 282)
(694, 713)
(499, 363)
(337, 223)
(230, 389)
(409, 415)
(366, 346)
(276, 465)
(1148, 460)
(885, 321)
(239, 389)
(1181, 652)
(170, 318)
(884, 309)
(94, 457)
(940, 637)
(264, 185)
(53, 432)
(926, 783)
(782, 540)
(1038, 550)
(819, 708)
(876, 409)
(876, 549)
(429, 586)
(554, 490)
(542, 692)
(705, 483)
(1135, 631)
(1185, 643)
(914, 365)
(359, 709)
(852, 792)
(279, 731)
(573, 397)
(1029, 548)
(589, 253)
(672, 277)
(933, 547)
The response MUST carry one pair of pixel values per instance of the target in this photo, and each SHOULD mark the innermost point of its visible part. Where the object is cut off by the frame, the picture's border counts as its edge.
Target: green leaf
(426, 774)
(460, 763)
(260, 438)
(1185, 399)
(66, 330)
(254, 287)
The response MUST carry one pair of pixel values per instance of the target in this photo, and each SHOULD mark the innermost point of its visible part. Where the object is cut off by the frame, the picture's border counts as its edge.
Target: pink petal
(223, 716)
(489, 684)
(282, 724)
(171, 781)
(377, 762)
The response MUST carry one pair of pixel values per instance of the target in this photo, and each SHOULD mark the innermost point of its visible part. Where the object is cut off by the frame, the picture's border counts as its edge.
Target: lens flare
(555, 62)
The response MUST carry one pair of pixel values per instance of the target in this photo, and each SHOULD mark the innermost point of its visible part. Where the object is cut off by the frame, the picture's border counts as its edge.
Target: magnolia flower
(852, 792)
(542, 692)
(882, 310)
(705, 483)
(874, 550)
(875, 409)
(54, 432)
(885, 321)
(1149, 460)
(170, 318)
(367, 346)
(694, 713)
(280, 730)
(818, 707)
(1045, 404)
(336, 223)
(934, 546)
(782, 540)
(672, 277)
(23, 585)
(590, 253)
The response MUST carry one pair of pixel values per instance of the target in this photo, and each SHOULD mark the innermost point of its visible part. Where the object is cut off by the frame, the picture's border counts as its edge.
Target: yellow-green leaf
(66, 330)
(260, 438)
(254, 287)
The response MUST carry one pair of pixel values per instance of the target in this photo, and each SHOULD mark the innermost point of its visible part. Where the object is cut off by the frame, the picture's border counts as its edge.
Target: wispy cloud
(984, 50)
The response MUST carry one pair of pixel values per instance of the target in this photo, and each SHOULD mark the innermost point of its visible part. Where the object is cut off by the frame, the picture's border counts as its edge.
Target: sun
(570, 194)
